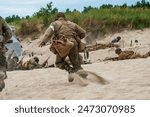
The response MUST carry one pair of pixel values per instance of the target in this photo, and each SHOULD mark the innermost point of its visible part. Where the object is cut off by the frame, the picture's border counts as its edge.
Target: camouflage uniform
(12, 64)
(74, 33)
(31, 64)
(130, 55)
(5, 35)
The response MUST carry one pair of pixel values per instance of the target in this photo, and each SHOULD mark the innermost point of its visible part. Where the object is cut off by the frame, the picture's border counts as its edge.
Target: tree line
(49, 10)
(104, 19)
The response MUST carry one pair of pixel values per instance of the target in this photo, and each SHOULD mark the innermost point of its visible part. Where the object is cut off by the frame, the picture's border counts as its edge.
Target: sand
(126, 79)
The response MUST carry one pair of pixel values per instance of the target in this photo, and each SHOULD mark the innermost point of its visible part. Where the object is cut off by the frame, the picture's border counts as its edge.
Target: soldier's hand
(42, 44)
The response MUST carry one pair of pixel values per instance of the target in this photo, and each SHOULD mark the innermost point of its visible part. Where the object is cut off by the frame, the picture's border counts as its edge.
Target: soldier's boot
(79, 71)
(70, 77)
(70, 71)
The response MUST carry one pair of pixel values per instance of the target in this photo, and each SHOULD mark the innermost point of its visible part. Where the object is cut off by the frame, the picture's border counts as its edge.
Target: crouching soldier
(66, 41)
(32, 63)
(12, 62)
(122, 55)
(5, 35)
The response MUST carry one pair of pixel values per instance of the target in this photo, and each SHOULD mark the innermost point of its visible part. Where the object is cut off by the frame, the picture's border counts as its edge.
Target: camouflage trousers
(73, 57)
(3, 66)
(3, 62)
(3, 76)
(134, 56)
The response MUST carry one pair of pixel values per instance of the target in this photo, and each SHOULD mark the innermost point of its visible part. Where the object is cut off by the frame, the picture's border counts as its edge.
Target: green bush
(105, 19)
(27, 27)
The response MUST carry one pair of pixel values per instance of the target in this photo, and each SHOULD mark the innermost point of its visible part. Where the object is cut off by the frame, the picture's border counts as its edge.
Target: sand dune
(127, 79)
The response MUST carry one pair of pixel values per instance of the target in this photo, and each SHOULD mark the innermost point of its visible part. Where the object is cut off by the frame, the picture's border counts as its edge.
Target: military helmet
(60, 14)
(118, 51)
(36, 59)
(16, 58)
(119, 37)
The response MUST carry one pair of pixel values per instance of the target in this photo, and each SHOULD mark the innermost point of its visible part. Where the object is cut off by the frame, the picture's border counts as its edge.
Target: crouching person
(128, 54)
(32, 63)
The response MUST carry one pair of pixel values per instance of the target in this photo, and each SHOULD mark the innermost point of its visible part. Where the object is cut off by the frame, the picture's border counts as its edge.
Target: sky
(28, 7)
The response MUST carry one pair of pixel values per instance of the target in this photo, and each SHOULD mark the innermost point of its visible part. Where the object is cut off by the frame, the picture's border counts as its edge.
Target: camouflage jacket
(12, 65)
(125, 55)
(131, 55)
(63, 27)
(31, 64)
(5, 32)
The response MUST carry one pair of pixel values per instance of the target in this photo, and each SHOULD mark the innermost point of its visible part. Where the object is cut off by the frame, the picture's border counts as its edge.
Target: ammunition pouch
(62, 46)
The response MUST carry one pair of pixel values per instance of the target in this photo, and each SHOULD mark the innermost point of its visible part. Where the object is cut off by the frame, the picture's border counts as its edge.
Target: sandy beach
(127, 79)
